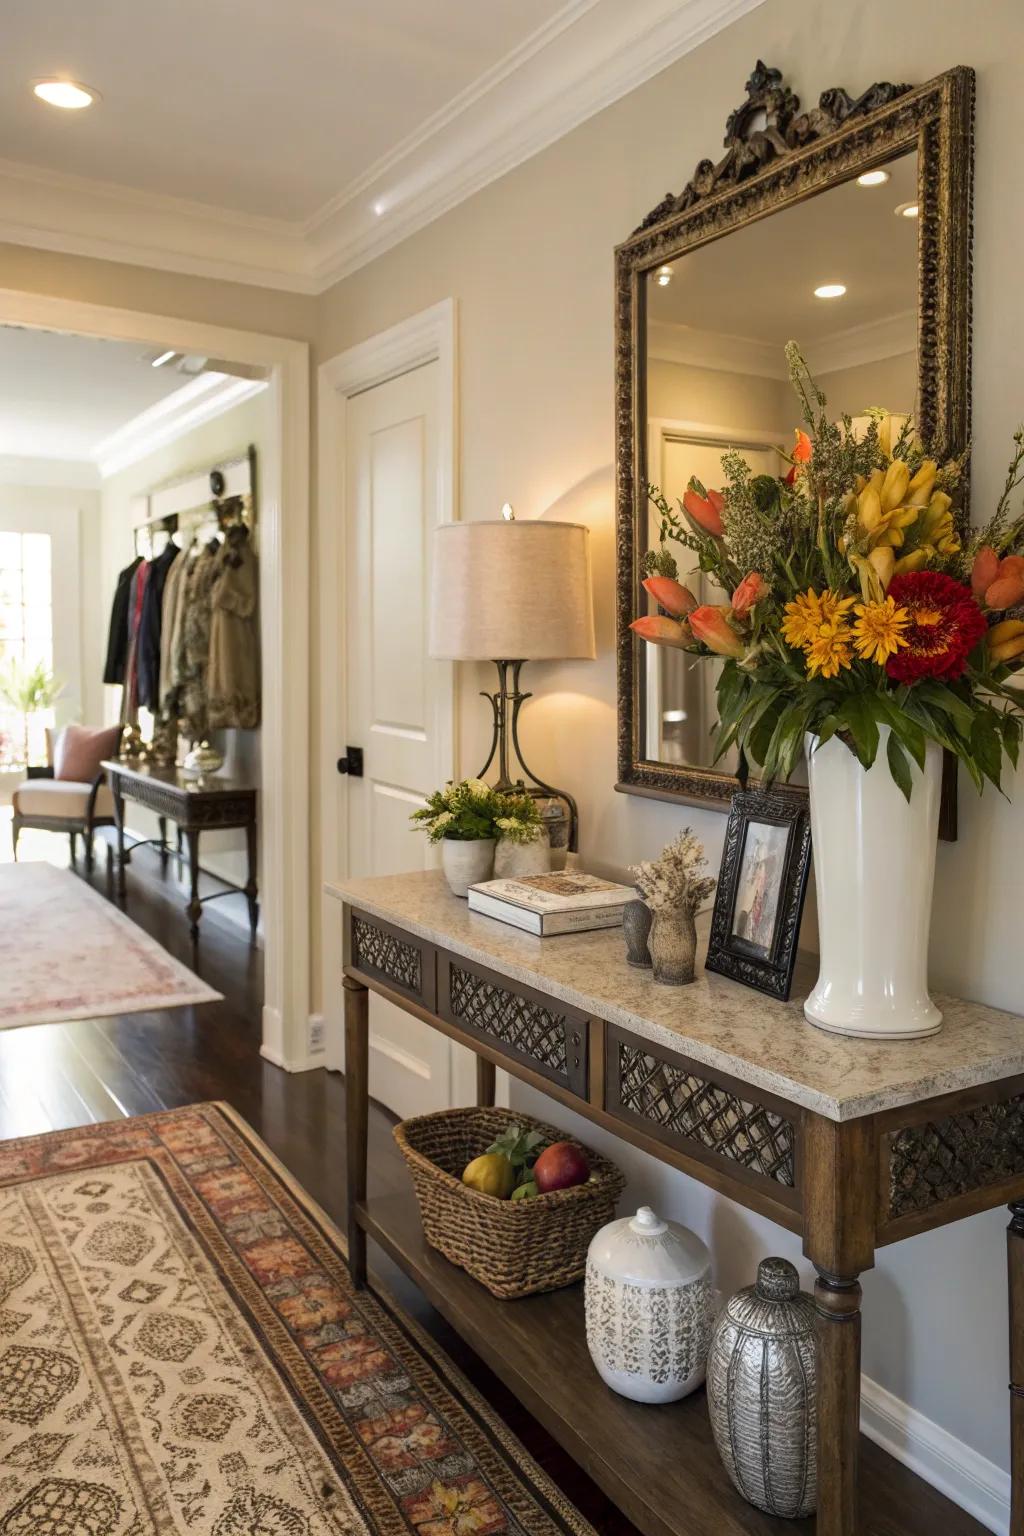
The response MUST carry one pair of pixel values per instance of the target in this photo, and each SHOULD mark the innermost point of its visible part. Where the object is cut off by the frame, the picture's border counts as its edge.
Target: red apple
(560, 1166)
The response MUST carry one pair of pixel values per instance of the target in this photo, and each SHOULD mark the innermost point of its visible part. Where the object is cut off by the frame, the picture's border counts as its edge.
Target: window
(26, 641)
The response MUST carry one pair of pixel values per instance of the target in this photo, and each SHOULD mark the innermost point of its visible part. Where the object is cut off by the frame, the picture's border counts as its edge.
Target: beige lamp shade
(511, 591)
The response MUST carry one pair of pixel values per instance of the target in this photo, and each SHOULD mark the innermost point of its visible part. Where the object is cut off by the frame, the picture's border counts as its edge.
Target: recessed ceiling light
(830, 291)
(908, 210)
(380, 207)
(164, 357)
(663, 276)
(65, 93)
(873, 179)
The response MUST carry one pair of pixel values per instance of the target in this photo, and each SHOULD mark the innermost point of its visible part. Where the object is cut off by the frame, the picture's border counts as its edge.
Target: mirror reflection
(839, 274)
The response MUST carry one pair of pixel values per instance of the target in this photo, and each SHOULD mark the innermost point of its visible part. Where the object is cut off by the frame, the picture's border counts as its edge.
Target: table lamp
(510, 592)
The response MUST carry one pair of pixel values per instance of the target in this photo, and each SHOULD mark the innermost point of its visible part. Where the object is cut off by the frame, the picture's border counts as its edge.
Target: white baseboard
(962, 1474)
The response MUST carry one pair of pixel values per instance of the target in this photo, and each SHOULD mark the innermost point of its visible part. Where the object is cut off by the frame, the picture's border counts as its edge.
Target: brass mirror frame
(777, 156)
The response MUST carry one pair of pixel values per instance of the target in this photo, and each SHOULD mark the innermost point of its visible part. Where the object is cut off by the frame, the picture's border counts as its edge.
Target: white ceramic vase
(874, 867)
(513, 860)
(649, 1307)
(466, 862)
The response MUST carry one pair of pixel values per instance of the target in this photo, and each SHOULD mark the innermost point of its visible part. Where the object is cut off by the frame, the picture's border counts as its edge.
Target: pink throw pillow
(79, 750)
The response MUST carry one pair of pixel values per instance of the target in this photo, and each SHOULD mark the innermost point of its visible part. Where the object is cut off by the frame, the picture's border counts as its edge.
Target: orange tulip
(802, 451)
(1006, 641)
(668, 594)
(984, 570)
(711, 626)
(706, 511)
(750, 591)
(1005, 592)
(657, 630)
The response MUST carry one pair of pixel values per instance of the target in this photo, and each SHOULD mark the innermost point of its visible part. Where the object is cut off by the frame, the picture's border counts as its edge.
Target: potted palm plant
(27, 689)
(863, 624)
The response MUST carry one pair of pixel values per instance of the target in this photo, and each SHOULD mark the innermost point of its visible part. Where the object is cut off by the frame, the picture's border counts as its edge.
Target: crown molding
(891, 336)
(588, 55)
(202, 399)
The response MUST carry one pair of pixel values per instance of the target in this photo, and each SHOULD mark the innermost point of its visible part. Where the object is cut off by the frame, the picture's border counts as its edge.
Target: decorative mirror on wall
(846, 228)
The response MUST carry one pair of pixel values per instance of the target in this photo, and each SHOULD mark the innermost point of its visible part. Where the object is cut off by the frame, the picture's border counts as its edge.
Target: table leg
(193, 908)
(122, 857)
(1015, 1259)
(357, 1101)
(837, 1337)
(161, 823)
(485, 1073)
(251, 888)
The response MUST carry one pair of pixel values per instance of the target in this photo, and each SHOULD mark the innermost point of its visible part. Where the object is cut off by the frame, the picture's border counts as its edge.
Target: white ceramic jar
(650, 1307)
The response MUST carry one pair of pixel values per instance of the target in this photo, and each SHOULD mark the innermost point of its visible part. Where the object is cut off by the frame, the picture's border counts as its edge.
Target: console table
(852, 1144)
(196, 806)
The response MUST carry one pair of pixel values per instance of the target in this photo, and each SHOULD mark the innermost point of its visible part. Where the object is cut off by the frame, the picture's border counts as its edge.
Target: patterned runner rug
(66, 953)
(181, 1352)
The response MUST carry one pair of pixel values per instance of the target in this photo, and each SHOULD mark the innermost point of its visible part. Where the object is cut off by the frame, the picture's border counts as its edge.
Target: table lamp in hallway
(513, 591)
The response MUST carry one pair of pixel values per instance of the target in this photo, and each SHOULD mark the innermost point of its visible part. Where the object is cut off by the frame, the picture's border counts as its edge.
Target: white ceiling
(287, 142)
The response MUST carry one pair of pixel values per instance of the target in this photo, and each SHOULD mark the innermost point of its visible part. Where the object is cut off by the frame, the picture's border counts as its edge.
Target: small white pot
(466, 863)
(513, 860)
(649, 1307)
(874, 868)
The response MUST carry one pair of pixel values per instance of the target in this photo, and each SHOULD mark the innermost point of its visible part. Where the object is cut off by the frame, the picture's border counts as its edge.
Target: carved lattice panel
(945, 1158)
(374, 949)
(527, 1026)
(679, 1101)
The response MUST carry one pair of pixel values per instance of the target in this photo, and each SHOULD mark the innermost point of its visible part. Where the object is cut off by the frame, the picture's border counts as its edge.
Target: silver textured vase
(466, 861)
(636, 926)
(761, 1392)
(673, 946)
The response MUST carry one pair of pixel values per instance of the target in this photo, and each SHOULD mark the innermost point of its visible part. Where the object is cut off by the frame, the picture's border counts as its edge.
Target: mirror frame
(777, 156)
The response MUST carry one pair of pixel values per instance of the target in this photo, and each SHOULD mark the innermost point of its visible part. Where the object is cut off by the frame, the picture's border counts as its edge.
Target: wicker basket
(514, 1248)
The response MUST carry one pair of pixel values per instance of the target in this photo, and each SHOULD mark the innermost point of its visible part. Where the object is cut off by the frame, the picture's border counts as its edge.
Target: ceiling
(757, 284)
(287, 144)
(87, 407)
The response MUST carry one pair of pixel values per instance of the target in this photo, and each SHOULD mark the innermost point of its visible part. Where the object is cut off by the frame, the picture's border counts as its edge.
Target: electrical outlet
(316, 1034)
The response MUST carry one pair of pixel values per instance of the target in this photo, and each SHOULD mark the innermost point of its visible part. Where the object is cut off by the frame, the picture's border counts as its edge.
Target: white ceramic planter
(466, 863)
(874, 867)
(649, 1307)
(513, 860)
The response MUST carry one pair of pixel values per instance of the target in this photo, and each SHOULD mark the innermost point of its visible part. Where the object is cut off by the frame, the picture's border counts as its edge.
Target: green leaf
(862, 725)
(909, 732)
(899, 766)
(1011, 728)
(987, 747)
(940, 696)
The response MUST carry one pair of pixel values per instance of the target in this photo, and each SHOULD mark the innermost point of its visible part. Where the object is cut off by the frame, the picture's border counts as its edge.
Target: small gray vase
(466, 862)
(673, 946)
(636, 925)
(761, 1392)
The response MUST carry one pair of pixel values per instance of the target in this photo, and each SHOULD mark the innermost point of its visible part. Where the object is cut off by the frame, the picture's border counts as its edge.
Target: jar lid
(647, 1224)
(777, 1280)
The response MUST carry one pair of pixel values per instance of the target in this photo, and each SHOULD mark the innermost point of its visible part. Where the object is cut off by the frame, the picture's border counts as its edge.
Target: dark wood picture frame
(766, 968)
(775, 156)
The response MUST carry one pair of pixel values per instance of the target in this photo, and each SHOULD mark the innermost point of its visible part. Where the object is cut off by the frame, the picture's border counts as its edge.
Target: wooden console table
(195, 805)
(852, 1144)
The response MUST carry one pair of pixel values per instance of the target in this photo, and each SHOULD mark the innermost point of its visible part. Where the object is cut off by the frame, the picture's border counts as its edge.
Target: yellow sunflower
(878, 631)
(806, 614)
(829, 650)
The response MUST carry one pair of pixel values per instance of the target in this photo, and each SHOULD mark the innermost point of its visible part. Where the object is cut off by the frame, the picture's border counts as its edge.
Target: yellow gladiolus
(1006, 641)
(883, 563)
(912, 562)
(919, 491)
(894, 485)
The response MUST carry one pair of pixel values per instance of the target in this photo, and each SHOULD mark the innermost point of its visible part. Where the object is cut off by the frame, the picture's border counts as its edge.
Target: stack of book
(566, 902)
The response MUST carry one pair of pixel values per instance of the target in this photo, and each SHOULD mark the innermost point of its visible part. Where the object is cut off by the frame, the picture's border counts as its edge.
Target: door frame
(427, 337)
(284, 607)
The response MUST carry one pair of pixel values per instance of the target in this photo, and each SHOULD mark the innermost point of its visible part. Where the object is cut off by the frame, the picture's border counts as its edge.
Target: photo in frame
(761, 887)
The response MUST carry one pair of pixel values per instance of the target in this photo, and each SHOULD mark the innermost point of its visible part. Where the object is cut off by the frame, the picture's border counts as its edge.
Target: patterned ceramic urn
(761, 1384)
(650, 1307)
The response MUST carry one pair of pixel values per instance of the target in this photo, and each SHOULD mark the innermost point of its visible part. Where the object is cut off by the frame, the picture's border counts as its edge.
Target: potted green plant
(27, 689)
(466, 818)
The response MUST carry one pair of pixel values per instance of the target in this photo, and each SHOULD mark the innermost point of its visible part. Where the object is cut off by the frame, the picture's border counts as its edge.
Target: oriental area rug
(181, 1351)
(67, 953)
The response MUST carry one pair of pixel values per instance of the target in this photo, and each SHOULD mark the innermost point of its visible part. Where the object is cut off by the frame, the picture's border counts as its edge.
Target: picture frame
(766, 859)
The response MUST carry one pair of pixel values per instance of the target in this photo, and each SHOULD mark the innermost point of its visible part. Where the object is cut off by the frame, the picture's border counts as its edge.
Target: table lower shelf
(658, 1464)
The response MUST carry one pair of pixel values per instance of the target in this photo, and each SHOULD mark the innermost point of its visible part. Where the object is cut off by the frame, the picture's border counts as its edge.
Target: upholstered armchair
(71, 793)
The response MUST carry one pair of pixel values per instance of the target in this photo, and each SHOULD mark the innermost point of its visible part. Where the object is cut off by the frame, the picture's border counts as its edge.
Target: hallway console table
(852, 1144)
(196, 805)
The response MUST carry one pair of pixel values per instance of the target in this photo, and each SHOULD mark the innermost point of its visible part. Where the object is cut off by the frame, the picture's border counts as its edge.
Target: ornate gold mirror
(846, 228)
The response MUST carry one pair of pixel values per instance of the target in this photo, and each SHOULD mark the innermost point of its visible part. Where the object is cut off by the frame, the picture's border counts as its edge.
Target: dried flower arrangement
(676, 879)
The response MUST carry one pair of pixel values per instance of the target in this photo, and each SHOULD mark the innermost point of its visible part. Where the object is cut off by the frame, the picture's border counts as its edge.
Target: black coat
(150, 628)
(117, 640)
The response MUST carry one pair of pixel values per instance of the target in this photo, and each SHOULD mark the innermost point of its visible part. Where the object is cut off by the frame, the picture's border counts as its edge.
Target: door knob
(352, 762)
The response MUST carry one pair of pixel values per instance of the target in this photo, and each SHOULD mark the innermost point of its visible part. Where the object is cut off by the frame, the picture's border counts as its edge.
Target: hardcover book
(562, 902)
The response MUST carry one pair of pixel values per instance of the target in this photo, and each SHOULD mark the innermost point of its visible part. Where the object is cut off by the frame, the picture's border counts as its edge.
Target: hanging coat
(234, 667)
(117, 637)
(195, 641)
(150, 626)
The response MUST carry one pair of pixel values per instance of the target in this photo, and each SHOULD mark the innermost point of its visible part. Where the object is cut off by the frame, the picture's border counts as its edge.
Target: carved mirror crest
(846, 228)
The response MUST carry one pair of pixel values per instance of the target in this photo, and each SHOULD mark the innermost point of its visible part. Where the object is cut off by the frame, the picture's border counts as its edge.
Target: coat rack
(213, 499)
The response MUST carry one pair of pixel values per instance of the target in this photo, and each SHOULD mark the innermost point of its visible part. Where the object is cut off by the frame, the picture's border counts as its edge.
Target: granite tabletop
(715, 1021)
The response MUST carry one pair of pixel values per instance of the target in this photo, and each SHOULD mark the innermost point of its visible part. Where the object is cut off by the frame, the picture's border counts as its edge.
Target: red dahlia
(946, 624)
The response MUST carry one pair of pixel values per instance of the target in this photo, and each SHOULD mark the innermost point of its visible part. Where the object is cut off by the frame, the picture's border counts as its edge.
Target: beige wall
(223, 853)
(529, 261)
(890, 382)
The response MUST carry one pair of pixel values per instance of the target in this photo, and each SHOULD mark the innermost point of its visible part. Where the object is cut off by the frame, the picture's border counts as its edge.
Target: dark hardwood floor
(55, 1076)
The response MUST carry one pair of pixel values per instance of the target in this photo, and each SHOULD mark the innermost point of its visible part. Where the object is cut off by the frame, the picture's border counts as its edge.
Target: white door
(398, 703)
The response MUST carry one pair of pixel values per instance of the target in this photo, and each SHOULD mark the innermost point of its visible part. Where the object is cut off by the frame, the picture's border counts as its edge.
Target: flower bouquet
(859, 620)
(468, 819)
